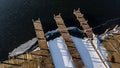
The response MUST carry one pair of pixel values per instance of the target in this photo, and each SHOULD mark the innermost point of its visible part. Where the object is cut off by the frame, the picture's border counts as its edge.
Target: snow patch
(83, 52)
(60, 54)
(23, 47)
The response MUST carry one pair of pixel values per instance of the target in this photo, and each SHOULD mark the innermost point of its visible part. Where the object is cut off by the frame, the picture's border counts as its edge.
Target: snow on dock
(23, 47)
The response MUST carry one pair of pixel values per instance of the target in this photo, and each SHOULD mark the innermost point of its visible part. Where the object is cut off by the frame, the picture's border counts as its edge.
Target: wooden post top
(77, 13)
(36, 21)
(37, 24)
(58, 19)
(57, 16)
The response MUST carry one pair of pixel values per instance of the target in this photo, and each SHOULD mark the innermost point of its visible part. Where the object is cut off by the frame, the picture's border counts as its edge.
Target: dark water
(15, 17)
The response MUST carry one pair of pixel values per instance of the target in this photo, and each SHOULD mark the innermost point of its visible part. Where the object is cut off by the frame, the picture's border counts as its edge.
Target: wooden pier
(42, 57)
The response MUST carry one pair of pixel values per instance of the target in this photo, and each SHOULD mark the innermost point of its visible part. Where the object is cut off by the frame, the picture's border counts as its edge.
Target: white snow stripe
(87, 53)
(60, 55)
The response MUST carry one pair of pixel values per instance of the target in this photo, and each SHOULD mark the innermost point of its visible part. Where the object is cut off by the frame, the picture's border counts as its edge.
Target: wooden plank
(111, 52)
(44, 51)
(40, 42)
(70, 45)
(39, 34)
(83, 23)
(18, 62)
